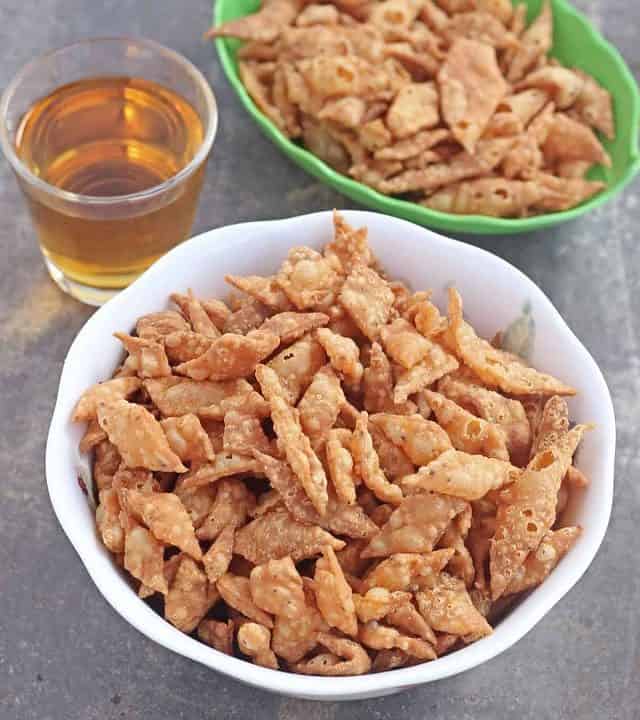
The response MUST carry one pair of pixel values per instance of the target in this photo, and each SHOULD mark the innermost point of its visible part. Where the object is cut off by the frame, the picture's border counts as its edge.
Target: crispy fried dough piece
(471, 86)
(218, 634)
(175, 396)
(380, 637)
(421, 440)
(367, 464)
(346, 657)
(553, 424)
(165, 515)
(188, 439)
(415, 526)
(493, 366)
(277, 534)
(297, 365)
(378, 385)
(86, 407)
(195, 313)
(254, 641)
(340, 465)
(333, 593)
(535, 42)
(155, 326)
(290, 326)
(147, 357)
(529, 510)
(217, 559)
(368, 299)
(277, 588)
(232, 505)
(435, 365)
(344, 355)
(457, 473)
(264, 25)
(231, 356)
(408, 571)
(309, 280)
(349, 245)
(292, 441)
(320, 406)
(263, 289)
(187, 601)
(143, 557)
(243, 433)
(138, 436)
(236, 592)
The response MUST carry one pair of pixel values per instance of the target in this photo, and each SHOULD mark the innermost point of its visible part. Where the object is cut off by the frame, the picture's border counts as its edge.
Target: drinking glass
(95, 244)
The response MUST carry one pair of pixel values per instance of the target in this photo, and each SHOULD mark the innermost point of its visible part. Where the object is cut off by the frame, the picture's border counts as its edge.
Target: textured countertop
(66, 655)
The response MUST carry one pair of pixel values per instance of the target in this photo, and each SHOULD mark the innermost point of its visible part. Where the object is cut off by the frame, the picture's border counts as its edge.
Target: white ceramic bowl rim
(510, 630)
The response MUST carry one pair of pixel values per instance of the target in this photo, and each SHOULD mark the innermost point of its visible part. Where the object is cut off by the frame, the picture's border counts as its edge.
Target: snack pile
(454, 104)
(326, 475)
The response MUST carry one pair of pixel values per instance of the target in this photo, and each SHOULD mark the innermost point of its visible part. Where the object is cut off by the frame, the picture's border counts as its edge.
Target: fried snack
(276, 534)
(166, 517)
(217, 634)
(103, 393)
(529, 510)
(231, 356)
(493, 366)
(340, 465)
(292, 440)
(421, 440)
(346, 657)
(457, 473)
(187, 601)
(447, 608)
(367, 464)
(320, 406)
(386, 486)
(415, 526)
(408, 571)
(236, 592)
(254, 641)
(340, 518)
(217, 559)
(187, 438)
(333, 594)
(146, 357)
(455, 102)
(277, 588)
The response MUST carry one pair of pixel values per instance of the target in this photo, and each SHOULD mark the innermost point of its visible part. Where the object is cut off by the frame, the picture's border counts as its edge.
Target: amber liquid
(105, 137)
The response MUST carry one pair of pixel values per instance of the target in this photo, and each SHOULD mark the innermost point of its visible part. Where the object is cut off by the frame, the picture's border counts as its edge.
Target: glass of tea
(109, 140)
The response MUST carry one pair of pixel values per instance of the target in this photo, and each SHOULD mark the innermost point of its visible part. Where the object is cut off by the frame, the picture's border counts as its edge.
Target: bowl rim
(450, 222)
(144, 619)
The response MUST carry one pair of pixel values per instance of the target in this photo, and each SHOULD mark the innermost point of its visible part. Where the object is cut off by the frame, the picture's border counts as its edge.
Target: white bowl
(494, 293)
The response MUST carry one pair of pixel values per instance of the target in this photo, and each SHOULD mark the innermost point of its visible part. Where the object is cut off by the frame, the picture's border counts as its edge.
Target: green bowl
(576, 43)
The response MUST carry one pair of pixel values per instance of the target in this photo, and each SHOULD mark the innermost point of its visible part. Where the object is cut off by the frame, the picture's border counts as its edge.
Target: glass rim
(26, 173)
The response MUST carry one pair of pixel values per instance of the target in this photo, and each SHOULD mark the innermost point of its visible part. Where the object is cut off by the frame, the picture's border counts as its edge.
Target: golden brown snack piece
(290, 326)
(276, 534)
(493, 407)
(553, 424)
(415, 526)
(349, 245)
(292, 441)
(344, 356)
(197, 501)
(380, 637)
(243, 433)
(421, 440)
(436, 364)
(196, 314)
(408, 571)
(231, 356)
(346, 657)
(462, 475)
(378, 385)
(217, 559)
(535, 42)
(264, 26)
(447, 608)
(340, 518)
(235, 591)
(108, 522)
(232, 505)
(277, 588)
(165, 515)
(493, 366)
(378, 602)
(105, 392)
(293, 638)
(309, 280)
(367, 464)
(297, 365)
(175, 396)
(146, 357)
(254, 641)
(138, 436)
(594, 106)
(529, 510)
(218, 634)
(407, 619)
(340, 465)
(320, 406)
(368, 299)
(471, 86)
(540, 562)
(187, 438)
(334, 596)
(143, 557)
(106, 461)
(155, 326)
(467, 432)
(266, 291)
(187, 601)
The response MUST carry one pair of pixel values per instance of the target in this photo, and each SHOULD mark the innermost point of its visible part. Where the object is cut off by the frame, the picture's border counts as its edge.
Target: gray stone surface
(65, 655)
